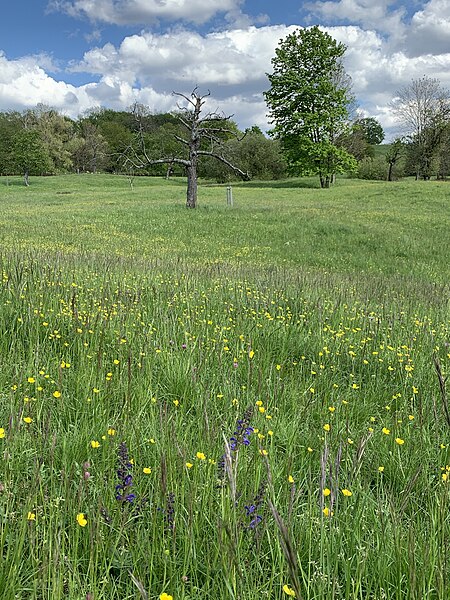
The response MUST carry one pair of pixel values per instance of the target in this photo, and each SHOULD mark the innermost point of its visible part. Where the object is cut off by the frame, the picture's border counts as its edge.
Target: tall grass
(223, 403)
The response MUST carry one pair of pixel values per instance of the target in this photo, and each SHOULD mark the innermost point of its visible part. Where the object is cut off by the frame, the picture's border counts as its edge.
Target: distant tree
(354, 141)
(57, 134)
(91, 151)
(29, 154)
(395, 152)
(256, 154)
(308, 103)
(10, 125)
(422, 109)
(204, 135)
(372, 130)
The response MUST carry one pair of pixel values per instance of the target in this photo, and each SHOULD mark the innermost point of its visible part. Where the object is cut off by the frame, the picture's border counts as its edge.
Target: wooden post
(229, 196)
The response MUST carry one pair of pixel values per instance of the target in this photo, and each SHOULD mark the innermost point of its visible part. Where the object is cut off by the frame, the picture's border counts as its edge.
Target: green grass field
(228, 403)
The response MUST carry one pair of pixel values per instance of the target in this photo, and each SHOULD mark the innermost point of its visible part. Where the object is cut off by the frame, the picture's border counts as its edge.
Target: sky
(75, 55)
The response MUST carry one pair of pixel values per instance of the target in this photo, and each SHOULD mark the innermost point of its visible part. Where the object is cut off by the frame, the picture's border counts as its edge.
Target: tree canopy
(308, 102)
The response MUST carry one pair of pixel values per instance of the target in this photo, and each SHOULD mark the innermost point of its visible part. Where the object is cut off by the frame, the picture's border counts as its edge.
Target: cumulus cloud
(147, 67)
(144, 12)
(430, 29)
(369, 14)
(238, 57)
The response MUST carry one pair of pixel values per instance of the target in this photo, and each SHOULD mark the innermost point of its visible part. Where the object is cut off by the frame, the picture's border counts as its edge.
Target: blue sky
(77, 54)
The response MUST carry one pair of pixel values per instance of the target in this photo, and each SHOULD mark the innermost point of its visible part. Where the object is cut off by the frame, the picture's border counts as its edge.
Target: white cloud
(147, 67)
(430, 29)
(129, 12)
(238, 57)
(371, 14)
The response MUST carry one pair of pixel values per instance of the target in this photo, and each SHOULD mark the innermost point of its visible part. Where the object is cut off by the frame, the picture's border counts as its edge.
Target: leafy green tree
(372, 130)
(393, 155)
(308, 103)
(57, 134)
(29, 154)
(10, 125)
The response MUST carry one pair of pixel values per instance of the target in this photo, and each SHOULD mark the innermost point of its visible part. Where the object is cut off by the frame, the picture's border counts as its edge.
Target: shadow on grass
(294, 183)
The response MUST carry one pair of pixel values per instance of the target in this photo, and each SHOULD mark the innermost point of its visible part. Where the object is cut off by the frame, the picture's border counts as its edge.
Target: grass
(185, 395)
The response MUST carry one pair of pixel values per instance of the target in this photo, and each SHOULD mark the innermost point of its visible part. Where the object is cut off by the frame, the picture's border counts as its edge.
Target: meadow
(228, 403)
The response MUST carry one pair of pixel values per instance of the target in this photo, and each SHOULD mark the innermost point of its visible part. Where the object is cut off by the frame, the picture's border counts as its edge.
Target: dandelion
(288, 591)
(81, 520)
(399, 441)
(347, 493)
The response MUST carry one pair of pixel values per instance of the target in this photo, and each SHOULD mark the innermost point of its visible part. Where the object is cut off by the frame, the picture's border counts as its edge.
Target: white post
(229, 196)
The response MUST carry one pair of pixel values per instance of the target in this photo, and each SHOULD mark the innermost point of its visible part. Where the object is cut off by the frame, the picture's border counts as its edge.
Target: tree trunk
(191, 197)
(25, 178)
(389, 177)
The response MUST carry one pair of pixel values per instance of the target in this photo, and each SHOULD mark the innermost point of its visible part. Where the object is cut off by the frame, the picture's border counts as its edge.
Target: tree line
(316, 130)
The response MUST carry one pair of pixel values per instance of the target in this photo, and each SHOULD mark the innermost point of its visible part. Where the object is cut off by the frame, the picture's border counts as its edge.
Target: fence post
(229, 195)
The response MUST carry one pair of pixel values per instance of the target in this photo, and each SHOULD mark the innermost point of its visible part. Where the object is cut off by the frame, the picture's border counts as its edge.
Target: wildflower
(31, 516)
(28, 420)
(327, 512)
(347, 493)
(327, 427)
(189, 465)
(331, 408)
(147, 470)
(81, 520)
(251, 354)
(326, 492)
(386, 431)
(380, 469)
(31, 380)
(165, 596)
(95, 444)
(288, 591)
(2, 433)
(56, 394)
(169, 516)
(290, 479)
(124, 475)
(111, 431)
(399, 441)
(200, 456)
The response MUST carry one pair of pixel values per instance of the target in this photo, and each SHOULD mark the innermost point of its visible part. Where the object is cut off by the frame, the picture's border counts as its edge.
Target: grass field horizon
(231, 403)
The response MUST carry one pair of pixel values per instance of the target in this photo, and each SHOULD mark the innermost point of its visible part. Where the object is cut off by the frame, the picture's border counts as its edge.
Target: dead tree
(204, 137)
